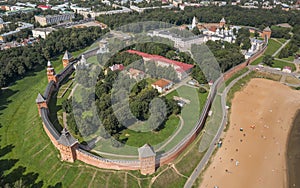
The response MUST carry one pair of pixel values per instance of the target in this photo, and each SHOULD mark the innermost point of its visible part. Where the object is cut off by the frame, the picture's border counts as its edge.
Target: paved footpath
(279, 49)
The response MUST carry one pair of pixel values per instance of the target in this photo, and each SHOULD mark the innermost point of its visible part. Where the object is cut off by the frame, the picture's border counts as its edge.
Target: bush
(202, 90)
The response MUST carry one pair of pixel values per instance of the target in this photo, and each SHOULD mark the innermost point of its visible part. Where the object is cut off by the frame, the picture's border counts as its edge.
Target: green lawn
(282, 40)
(290, 58)
(138, 139)
(187, 162)
(170, 179)
(27, 152)
(273, 46)
(281, 64)
(277, 63)
(258, 60)
(212, 124)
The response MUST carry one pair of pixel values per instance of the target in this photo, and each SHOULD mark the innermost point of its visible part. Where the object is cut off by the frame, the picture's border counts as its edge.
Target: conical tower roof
(194, 22)
(49, 64)
(40, 99)
(66, 138)
(267, 29)
(146, 151)
(67, 55)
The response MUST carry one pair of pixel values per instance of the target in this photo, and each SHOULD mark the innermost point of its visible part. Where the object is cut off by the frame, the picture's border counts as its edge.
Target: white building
(162, 85)
(256, 45)
(287, 69)
(42, 32)
(54, 19)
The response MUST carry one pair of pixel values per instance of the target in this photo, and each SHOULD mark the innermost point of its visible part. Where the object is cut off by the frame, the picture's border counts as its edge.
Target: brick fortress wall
(168, 157)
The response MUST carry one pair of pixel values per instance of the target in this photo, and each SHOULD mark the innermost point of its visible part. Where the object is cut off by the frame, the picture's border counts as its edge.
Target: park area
(273, 46)
(166, 138)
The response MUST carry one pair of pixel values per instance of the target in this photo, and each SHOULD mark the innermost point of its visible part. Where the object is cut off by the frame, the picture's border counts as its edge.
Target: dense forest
(233, 14)
(228, 55)
(15, 62)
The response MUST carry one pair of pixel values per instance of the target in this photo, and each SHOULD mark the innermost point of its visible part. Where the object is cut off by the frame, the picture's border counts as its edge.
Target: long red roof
(183, 66)
(44, 6)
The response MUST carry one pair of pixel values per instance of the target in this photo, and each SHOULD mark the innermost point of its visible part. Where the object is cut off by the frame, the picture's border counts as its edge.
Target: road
(272, 70)
(212, 146)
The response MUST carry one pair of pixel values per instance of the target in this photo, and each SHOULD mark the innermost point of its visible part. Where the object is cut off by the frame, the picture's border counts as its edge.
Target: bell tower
(51, 72)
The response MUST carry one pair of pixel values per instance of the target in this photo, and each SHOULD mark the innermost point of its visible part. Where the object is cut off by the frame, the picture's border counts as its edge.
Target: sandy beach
(253, 153)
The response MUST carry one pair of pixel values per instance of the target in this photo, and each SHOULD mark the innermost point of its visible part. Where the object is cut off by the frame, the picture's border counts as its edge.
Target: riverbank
(293, 153)
(253, 153)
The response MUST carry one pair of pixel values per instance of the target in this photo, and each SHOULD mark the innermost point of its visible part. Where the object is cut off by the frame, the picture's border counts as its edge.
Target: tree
(170, 54)
(234, 31)
(202, 90)
(268, 60)
(246, 44)
(256, 34)
(196, 31)
(284, 53)
(158, 113)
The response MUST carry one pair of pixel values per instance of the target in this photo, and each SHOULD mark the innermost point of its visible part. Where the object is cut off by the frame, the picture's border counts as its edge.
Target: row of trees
(16, 62)
(280, 32)
(233, 14)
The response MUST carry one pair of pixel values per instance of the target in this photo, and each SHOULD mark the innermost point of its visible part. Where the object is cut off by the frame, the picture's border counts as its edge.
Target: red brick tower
(147, 159)
(67, 145)
(51, 72)
(67, 58)
(41, 103)
(266, 33)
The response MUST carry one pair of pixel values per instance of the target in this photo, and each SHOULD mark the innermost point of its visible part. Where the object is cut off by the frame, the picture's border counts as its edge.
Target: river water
(293, 153)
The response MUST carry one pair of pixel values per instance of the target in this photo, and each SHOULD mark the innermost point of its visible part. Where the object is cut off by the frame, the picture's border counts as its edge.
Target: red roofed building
(116, 67)
(182, 69)
(162, 85)
(44, 7)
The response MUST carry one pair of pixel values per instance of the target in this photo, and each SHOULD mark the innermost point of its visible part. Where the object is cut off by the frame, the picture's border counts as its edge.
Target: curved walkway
(175, 134)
